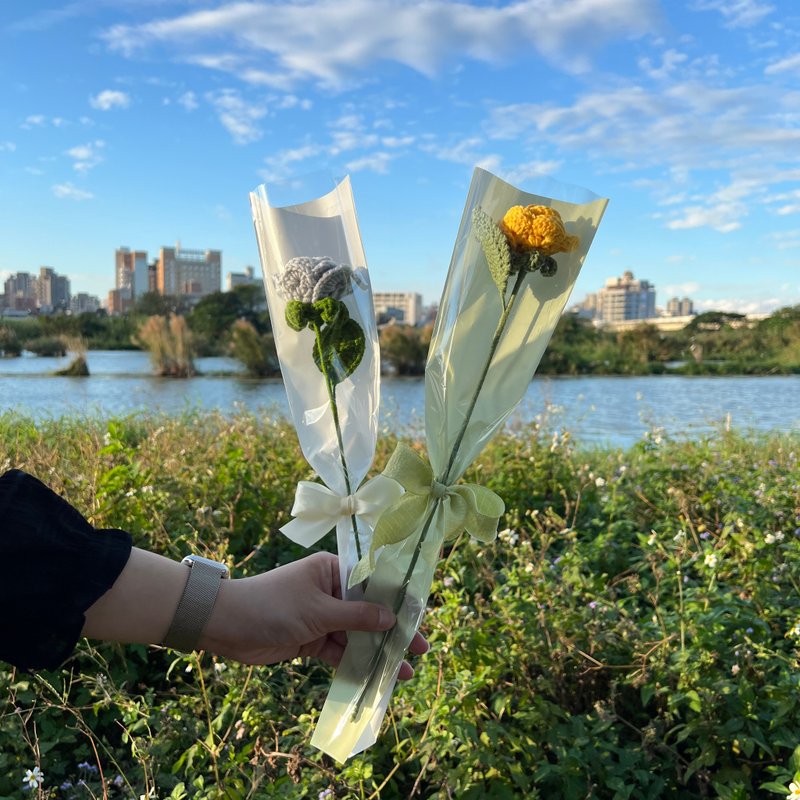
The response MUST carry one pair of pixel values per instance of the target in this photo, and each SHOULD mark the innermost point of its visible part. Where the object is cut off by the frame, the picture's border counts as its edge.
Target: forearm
(139, 607)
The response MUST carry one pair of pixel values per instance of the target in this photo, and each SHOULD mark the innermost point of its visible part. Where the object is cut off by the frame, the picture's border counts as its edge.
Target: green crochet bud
(301, 315)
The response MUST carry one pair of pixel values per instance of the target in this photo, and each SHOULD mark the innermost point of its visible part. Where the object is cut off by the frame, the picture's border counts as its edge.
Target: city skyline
(130, 261)
(150, 122)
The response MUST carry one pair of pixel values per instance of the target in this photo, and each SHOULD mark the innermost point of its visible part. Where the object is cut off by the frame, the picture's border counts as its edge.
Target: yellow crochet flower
(537, 227)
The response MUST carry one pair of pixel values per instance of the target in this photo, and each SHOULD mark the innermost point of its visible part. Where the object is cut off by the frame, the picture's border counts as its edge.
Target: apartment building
(403, 307)
(189, 274)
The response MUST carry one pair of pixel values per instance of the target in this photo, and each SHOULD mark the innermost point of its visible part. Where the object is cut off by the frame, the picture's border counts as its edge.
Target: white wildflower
(710, 560)
(34, 778)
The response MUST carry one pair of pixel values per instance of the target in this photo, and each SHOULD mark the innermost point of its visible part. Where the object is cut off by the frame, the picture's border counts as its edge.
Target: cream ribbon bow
(467, 506)
(317, 509)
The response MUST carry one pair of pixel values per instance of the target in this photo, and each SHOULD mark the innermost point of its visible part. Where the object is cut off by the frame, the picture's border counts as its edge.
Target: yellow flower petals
(537, 228)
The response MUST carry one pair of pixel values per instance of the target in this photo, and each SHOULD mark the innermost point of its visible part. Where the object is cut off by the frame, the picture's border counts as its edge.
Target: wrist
(204, 578)
(224, 627)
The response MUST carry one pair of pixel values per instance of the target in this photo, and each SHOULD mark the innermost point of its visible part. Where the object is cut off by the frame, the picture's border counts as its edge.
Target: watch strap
(196, 604)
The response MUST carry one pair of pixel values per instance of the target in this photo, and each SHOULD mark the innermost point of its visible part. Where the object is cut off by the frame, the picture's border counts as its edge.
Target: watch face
(192, 559)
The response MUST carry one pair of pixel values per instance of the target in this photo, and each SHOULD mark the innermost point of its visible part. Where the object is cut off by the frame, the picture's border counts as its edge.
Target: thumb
(358, 615)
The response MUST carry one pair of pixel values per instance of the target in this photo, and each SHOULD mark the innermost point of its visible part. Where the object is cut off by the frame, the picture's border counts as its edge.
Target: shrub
(255, 350)
(632, 633)
(170, 344)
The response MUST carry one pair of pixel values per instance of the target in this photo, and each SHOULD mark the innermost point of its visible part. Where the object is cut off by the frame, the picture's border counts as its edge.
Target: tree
(214, 315)
(154, 304)
(404, 348)
(255, 350)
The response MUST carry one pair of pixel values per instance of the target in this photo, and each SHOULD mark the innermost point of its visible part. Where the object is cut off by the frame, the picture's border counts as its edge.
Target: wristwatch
(196, 604)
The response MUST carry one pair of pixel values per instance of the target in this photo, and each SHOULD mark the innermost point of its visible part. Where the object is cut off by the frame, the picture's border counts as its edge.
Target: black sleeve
(55, 565)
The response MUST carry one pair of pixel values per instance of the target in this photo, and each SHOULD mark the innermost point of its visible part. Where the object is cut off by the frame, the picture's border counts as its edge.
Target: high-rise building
(120, 301)
(131, 271)
(403, 307)
(83, 303)
(626, 298)
(683, 307)
(20, 292)
(246, 278)
(189, 274)
(52, 290)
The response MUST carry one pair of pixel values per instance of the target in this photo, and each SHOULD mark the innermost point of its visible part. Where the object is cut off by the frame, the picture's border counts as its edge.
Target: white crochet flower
(310, 278)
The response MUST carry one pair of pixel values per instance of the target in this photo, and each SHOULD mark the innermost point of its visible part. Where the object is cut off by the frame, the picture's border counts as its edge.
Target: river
(614, 411)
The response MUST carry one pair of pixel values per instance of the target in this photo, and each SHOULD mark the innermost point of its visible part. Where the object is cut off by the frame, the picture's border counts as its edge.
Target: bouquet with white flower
(320, 305)
(515, 261)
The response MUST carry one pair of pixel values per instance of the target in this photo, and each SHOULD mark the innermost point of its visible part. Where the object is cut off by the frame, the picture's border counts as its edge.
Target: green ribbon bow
(467, 506)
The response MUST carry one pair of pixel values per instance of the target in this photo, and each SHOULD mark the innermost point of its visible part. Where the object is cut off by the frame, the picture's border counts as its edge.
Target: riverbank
(633, 632)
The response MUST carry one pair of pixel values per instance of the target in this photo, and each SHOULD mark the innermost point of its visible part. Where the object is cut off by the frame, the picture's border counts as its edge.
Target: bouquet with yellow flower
(515, 261)
(320, 305)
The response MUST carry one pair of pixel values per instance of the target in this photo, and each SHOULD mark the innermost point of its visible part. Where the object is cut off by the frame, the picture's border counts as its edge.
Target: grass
(632, 633)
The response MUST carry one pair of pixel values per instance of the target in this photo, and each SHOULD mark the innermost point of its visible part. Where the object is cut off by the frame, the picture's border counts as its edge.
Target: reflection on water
(596, 410)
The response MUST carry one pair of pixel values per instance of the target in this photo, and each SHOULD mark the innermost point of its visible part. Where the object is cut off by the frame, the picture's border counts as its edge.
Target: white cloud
(682, 289)
(86, 156)
(188, 100)
(68, 191)
(792, 63)
(723, 217)
(744, 139)
(786, 240)
(737, 13)
(374, 162)
(291, 101)
(7, 147)
(40, 121)
(669, 61)
(528, 170)
(237, 116)
(332, 43)
(741, 305)
(34, 121)
(108, 99)
(397, 141)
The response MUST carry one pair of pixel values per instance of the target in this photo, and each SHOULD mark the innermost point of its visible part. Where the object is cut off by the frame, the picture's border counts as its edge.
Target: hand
(293, 610)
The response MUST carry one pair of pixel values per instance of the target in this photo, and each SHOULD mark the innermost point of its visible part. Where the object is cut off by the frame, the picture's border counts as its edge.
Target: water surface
(616, 411)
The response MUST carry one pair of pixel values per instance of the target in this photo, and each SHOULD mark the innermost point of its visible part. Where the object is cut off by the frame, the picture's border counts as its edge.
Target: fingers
(406, 672)
(359, 615)
(419, 645)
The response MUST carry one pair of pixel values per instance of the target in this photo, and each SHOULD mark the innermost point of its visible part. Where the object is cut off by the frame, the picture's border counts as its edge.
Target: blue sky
(145, 122)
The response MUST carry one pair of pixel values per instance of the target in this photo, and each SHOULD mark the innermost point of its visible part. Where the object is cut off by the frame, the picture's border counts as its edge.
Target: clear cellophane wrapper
(324, 227)
(468, 318)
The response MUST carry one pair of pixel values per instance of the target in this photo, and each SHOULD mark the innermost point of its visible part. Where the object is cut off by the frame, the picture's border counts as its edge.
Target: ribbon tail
(484, 511)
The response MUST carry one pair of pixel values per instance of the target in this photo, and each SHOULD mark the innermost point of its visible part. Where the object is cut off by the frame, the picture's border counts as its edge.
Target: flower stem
(498, 333)
(372, 667)
(401, 594)
(331, 387)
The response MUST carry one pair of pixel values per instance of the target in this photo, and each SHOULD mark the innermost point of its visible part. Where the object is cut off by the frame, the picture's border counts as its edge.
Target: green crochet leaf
(340, 341)
(495, 248)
